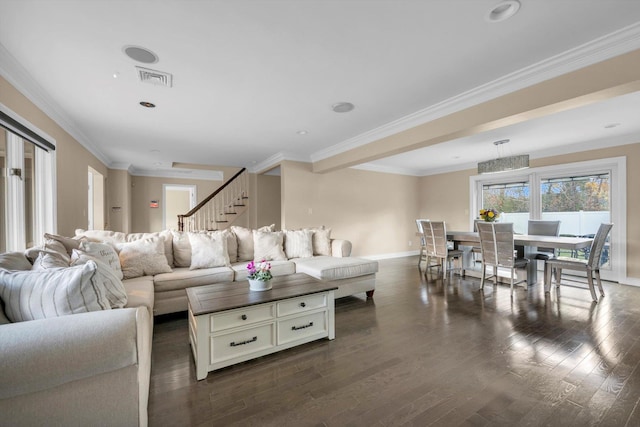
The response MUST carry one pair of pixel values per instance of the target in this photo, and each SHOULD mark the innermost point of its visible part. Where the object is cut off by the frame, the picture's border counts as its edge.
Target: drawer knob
(243, 317)
(303, 304)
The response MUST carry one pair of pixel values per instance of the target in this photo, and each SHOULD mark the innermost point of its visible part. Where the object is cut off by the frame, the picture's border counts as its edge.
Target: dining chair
(496, 243)
(590, 266)
(423, 249)
(435, 237)
(543, 228)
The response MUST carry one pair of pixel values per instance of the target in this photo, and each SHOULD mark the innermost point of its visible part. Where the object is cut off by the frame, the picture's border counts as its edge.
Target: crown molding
(199, 174)
(121, 166)
(606, 47)
(275, 160)
(388, 169)
(19, 77)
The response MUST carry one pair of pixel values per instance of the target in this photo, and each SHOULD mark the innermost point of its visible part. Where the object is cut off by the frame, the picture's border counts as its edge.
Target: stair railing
(217, 207)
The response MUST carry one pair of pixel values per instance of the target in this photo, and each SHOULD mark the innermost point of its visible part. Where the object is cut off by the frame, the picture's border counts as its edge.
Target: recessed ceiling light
(611, 125)
(147, 104)
(342, 107)
(502, 11)
(140, 54)
(116, 75)
(302, 132)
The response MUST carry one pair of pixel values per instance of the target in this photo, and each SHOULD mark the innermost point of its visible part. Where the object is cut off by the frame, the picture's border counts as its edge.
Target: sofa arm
(340, 248)
(77, 369)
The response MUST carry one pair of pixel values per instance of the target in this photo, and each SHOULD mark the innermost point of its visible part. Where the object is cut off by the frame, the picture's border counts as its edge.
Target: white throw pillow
(208, 250)
(268, 246)
(321, 241)
(102, 252)
(14, 261)
(298, 243)
(69, 243)
(30, 295)
(143, 258)
(108, 277)
(168, 242)
(244, 236)
(48, 260)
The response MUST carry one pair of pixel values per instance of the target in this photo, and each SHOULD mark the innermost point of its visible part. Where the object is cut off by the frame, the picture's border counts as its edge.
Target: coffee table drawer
(302, 327)
(242, 317)
(240, 343)
(302, 304)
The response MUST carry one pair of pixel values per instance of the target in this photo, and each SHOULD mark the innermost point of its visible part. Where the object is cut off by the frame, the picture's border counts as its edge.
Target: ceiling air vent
(155, 77)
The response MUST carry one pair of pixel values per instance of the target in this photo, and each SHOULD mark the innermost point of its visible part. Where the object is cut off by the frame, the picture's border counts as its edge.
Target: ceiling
(249, 76)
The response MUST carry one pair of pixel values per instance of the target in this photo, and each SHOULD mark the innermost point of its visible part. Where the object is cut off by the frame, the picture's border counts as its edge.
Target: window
(27, 193)
(581, 195)
(511, 200)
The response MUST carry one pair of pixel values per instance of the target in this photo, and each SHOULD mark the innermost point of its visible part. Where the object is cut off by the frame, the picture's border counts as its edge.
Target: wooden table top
(227, 296)
(558, 242)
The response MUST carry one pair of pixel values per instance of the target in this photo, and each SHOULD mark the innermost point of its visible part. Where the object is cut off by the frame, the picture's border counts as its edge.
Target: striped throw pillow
(30, 295)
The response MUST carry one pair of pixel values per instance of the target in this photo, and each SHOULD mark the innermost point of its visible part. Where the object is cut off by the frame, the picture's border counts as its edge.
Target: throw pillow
(181, 249)
(208, 250)
(30, 295)
(168, 242)
(49, 260)
(298, 243)
(102, 252)
(104, 236)
(69, 243)
(143, 258)
(14, 261)
(268, 245)
(107, 276)
(244, 237)
(321, 241)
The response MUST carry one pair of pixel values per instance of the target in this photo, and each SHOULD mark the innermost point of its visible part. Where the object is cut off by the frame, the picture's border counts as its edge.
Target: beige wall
(72, 161)
(376, 211)
(144, 189)
(119, 201)
(267, 199)
(446, 196)
(176, 202)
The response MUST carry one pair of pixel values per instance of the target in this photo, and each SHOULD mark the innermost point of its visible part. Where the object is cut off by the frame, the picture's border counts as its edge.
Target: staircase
(221, 208)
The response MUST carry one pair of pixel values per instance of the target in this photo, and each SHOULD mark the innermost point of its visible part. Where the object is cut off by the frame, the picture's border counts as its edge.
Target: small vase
(259, 285)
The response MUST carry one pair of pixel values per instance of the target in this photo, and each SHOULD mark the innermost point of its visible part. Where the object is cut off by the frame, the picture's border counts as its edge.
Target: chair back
(598, 245)
(543, 228)
(419, 224)
(496, 243)
(435, 238)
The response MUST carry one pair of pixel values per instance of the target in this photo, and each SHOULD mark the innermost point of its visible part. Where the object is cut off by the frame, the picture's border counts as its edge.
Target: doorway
(178, 200)
(95, 214)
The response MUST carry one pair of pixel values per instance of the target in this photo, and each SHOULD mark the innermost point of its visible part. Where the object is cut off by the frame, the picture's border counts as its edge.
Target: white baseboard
(391, 255)
(631, 281)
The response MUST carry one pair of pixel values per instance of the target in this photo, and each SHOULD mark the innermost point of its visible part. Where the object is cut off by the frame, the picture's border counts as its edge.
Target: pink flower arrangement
(260, 271)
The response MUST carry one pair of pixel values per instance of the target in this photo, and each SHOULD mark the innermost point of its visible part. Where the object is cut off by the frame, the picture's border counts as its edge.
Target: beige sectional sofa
(79, 369)
(352, 275)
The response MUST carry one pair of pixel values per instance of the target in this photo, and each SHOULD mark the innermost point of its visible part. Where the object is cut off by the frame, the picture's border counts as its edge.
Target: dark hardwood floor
(425, 353)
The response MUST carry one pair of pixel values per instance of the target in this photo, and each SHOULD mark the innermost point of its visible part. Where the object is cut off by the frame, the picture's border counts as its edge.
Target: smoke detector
(155, 77)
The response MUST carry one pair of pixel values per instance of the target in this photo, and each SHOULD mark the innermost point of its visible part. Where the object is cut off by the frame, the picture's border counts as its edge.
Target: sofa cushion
(244, 236)
(208, 250)
(107, 236)
(143, 257)
(333, 268)
(278, 268)
(182, 278)
(268, 246)
(321, 241)
(298, 243)
(140, 292)
(14, 261)
(30, 295)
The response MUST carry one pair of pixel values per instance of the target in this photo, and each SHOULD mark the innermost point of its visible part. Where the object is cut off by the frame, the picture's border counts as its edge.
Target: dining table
(466, 240)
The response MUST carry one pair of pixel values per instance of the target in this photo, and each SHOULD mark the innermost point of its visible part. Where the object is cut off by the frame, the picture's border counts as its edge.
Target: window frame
(45, 198)
(615, 166)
